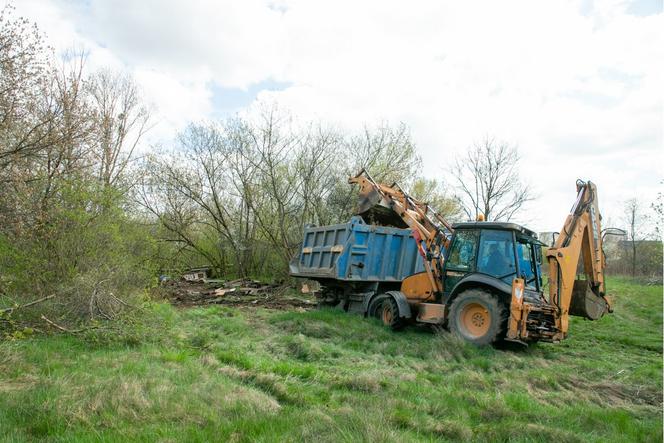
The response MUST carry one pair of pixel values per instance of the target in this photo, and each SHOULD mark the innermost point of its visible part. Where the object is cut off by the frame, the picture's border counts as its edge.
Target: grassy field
(230, 374)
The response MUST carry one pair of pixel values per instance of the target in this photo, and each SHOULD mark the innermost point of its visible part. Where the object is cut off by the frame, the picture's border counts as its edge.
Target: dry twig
(32, 303)
(55, 325)
(63, 329)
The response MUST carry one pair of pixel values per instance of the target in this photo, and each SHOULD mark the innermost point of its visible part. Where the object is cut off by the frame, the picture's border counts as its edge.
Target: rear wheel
(376, 306)
(478, 316)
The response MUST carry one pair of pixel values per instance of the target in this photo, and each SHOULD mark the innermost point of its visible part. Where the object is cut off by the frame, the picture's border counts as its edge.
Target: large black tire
(478, 317)
(390, 315)
(376, 306)
(385, 308)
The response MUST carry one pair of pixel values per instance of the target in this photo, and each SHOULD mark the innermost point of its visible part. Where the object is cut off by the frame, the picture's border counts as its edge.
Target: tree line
(638, 252)
(237, 193)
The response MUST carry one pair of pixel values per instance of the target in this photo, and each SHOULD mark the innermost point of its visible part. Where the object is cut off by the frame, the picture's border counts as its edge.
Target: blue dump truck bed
(358, 252)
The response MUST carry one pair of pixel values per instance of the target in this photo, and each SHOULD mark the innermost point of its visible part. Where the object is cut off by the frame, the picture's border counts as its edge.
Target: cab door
(461, 258)
(496, 255)
(529, 255)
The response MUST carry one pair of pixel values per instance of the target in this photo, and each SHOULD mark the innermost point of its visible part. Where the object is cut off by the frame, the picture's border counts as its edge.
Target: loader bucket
(367, 200)
(371, 208)
(585, 303)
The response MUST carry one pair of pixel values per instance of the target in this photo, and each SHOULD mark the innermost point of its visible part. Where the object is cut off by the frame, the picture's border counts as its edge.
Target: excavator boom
(581, 236)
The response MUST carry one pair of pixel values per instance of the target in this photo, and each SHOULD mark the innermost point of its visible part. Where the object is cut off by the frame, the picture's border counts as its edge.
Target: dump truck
(354, 261)
(400, 261)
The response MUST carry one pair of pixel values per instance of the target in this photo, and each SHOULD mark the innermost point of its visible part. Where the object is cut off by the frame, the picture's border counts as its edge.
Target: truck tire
(386, 309)
(478, 317)
(376, 306)
(389, 314)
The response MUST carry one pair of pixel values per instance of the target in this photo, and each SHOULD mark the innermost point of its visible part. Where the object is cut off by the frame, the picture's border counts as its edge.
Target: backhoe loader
(402, 262)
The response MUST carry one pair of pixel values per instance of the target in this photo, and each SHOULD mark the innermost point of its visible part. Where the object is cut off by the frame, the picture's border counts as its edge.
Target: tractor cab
(493, 254)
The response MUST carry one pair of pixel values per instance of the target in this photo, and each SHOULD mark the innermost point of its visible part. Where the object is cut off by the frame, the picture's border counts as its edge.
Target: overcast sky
(576, 85)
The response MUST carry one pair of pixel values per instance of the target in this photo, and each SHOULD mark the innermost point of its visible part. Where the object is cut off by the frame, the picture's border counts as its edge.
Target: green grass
(221, 374)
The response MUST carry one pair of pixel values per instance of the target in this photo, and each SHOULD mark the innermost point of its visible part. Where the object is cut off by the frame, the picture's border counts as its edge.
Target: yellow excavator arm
(581, 236)
(379, 202)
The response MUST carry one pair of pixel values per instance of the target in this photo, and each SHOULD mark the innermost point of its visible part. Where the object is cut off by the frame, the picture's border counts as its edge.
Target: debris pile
(235, 292)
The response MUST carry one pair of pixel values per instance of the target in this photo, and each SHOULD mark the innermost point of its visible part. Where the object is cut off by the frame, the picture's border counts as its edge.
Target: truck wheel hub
(475, 319)
(478, 320)
(387, 315)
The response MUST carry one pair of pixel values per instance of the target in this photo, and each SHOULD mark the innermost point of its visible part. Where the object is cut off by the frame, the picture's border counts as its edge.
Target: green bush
(87, 252)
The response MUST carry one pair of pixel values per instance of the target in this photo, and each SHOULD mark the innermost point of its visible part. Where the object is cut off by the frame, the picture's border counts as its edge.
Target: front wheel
(385, 309)
(478, 316)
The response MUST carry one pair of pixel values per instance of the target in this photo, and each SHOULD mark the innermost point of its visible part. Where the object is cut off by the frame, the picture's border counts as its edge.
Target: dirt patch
(601, 392)
(242, 293)
(616, 393)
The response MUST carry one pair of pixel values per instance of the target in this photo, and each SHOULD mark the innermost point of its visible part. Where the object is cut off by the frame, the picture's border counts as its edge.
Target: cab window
(496, 254)
(527, 262)
(462, 254)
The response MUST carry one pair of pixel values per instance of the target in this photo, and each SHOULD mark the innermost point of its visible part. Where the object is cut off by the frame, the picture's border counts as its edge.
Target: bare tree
(488, 181)
(120, 121)
(187, 191)
(291, 176)
(632, 217)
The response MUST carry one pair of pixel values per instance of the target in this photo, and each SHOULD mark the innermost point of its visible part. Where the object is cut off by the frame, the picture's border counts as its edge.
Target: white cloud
(576, 84)
(176, 102)
(237, 43)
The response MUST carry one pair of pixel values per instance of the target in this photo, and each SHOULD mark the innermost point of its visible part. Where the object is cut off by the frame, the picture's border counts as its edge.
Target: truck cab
(482, 266)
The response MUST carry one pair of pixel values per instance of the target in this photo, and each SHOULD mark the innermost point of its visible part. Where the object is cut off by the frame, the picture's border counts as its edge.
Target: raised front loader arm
(382, 201)
(581, 234)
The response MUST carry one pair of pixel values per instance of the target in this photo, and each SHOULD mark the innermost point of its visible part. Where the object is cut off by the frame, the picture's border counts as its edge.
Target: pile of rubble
(235, 292)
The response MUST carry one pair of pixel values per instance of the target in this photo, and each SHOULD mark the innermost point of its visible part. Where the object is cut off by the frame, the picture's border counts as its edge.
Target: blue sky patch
(228, 101)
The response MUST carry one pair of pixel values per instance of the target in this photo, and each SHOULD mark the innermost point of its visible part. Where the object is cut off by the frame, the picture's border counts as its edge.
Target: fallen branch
(63, 329)
(32, 303)
(55, 325)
